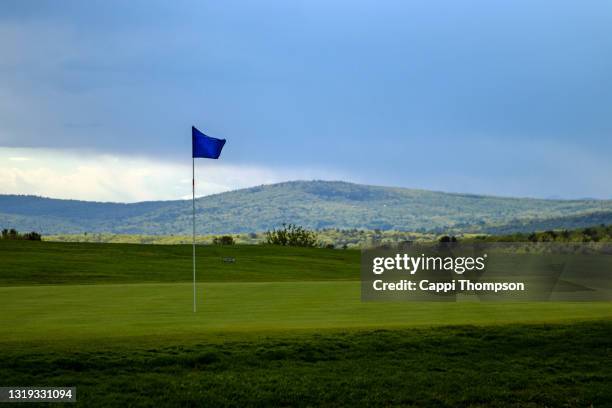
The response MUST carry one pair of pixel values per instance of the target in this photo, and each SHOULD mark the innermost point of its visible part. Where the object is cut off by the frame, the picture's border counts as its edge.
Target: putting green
(55, 312)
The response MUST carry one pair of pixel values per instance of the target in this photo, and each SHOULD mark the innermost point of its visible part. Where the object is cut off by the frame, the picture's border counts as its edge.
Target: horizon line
(318, 181)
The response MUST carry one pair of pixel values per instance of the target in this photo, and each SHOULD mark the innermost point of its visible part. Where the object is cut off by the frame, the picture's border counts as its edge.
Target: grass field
(280, 326)
(93, 311)
(28, 263)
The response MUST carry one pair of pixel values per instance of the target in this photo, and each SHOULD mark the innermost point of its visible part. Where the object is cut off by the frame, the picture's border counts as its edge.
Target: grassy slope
(26, 263)
(281, 326)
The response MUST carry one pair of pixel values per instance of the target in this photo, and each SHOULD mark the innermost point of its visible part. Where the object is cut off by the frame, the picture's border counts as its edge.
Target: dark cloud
(359, 85)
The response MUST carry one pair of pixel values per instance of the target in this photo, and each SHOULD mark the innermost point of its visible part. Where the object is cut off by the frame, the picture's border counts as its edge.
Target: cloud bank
(108, 177)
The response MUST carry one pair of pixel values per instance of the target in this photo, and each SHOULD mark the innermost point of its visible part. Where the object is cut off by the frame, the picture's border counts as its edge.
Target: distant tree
(447, 238)
(592, 233)
(12, 234)
(32, 236)
(224, 240)
(291, 235)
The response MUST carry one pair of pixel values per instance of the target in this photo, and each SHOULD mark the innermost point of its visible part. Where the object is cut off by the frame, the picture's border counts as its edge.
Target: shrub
(291, 235)
(224, 240)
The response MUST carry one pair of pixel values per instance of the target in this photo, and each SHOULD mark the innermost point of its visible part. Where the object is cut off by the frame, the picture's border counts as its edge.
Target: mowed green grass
(266, 289)
(95, 311)
(279, 327)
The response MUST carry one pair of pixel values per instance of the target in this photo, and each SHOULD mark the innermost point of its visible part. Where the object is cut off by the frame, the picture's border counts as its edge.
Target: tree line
(13, 234)
(601, 233)
(287, 235)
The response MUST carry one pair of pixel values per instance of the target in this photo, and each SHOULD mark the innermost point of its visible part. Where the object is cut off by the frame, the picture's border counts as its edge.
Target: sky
(509, 98)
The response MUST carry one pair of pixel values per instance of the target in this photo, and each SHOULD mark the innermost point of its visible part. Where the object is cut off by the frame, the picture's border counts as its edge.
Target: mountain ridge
(477, 195)
(313, 204)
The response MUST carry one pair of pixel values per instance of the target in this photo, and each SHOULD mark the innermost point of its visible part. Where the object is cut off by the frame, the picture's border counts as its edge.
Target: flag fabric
(205, 146)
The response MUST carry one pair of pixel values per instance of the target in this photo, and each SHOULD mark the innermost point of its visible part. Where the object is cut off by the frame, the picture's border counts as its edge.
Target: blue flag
(205, 146)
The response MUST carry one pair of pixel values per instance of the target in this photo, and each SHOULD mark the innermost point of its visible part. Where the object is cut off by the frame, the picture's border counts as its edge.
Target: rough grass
(501, 366)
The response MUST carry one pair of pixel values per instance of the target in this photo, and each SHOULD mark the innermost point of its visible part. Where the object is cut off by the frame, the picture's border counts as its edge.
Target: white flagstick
(193, 207)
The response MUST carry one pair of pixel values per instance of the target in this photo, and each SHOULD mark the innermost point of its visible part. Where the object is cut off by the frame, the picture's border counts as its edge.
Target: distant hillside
(568, 222)
(313, 204)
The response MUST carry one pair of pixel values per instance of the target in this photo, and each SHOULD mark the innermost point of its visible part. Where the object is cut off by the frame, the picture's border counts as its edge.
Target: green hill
(313, 204)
